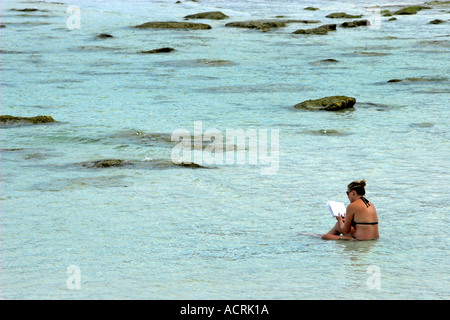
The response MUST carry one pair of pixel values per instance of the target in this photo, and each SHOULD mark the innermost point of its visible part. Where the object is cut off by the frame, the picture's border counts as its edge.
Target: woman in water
(361, 220)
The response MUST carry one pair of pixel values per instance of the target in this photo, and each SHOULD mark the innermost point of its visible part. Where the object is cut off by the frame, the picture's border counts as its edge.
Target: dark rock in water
(173, 25)
(160, 50)
(11, 120)
(325, 62)
(152, 164)
(372, 53)
(104, 36)
(26, 10)
(333, 103)
(375, 106)
(266, 25)
(410, 10)
(422, 125)
(438, 3)
(215, 63)
(105, 163)
(395, 80)
(190, 165)
(212, 15)
(169, 164)
(10, 149)
(392, 19)
(311, 8)
(263, 25)
(301, 21)
(356, 23)
(322, 30)
(342, 15)
(436, 21)
(2, 26)
(421, 79)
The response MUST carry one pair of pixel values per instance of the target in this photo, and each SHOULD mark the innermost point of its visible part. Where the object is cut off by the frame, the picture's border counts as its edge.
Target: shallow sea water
(156, 231)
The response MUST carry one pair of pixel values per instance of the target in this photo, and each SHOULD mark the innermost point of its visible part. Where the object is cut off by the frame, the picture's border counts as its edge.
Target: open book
(336, 208)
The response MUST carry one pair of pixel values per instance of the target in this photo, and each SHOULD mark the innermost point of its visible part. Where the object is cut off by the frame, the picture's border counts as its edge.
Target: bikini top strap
(366, 202)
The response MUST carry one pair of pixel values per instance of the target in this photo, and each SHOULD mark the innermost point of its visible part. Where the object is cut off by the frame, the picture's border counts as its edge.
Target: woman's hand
(341, 221)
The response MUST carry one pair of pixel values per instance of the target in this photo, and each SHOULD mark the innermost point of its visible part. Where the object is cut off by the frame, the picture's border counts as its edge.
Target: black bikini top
(367, 203)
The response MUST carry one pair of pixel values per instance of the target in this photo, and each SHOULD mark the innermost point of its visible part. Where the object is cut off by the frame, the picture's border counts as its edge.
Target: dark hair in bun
(358, 186)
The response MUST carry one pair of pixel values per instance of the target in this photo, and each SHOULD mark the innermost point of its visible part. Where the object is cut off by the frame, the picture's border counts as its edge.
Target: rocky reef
(6, 120)
(263, 25)
(159, 50)
(342, 15)
(355, 23)
(410, 10)
(322, 30)
(173, 25)
(332, 103)
(211, 15)
(267, 25)
(152, 164)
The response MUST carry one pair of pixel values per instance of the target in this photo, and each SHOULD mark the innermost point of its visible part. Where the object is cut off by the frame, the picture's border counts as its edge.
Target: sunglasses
(347, 192)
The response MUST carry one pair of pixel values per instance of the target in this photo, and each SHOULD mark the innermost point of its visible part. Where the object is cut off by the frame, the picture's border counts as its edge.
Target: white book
(336, 208)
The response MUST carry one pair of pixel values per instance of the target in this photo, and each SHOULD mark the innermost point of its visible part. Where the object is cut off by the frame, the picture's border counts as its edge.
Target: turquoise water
(156, 231)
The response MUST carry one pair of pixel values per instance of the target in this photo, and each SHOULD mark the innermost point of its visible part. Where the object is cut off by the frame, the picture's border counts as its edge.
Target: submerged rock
(160, 50)
(12, 120)
(107, 163)
(212, 15)
(410, 10)
(375, 106)
(301, 21)
(325, 62)
(342, 15)
(356, 23)
(325, 132)
(215, 63)
(322, 30)
(267, 25)
(372, 53)
(333, 103)
(25, 10)
(144, 164)
(263, 25)
(436, 21)
(104, 36)
(173, 25)
(311, 8)
(438, 2)
(419, 79)
(189, 165)
(169, 164)
(422, 125)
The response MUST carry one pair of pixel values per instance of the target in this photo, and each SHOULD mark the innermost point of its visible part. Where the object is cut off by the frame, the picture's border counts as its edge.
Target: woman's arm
(347, 225)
